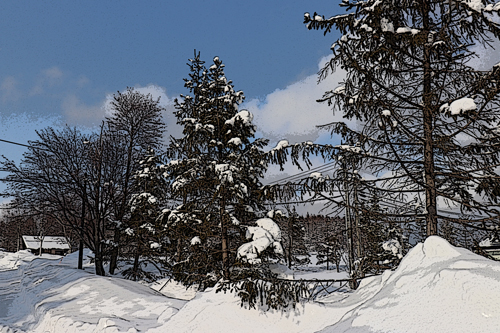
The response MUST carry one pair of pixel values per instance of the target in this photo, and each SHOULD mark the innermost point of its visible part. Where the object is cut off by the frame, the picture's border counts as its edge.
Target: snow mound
(48, 294)
(213, 312)
(436, 288)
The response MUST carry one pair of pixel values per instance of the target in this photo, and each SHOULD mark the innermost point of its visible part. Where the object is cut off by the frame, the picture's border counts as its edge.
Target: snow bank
(48, 294)
(436, 288)
(212, 312)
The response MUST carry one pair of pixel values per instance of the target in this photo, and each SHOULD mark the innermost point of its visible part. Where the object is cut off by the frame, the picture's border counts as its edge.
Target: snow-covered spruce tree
(215, 169)
(145, 233)
(425, 114)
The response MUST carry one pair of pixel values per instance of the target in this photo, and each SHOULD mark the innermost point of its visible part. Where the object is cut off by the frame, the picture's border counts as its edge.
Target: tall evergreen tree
(424, 112)
(215, 170)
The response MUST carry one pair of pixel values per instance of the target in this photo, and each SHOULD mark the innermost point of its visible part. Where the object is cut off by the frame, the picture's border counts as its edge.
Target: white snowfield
(437, 288)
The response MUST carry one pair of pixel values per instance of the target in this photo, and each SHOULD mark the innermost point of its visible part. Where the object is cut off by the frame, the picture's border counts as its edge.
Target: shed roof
(49, 242)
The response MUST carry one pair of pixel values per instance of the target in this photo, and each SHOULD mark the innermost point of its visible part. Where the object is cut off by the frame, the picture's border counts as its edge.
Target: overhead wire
(21, 144)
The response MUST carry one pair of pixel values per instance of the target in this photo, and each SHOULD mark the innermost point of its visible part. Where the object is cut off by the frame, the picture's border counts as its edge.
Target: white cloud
(77, 112)
(47, 78)
(82, 81)
(293, 112)
(9, 89)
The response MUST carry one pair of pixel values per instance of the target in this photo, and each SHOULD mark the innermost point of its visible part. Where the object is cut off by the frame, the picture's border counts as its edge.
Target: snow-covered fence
(281, 293)
(318, 288)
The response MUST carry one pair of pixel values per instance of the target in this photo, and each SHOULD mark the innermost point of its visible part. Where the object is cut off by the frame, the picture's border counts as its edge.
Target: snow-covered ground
(437, 288)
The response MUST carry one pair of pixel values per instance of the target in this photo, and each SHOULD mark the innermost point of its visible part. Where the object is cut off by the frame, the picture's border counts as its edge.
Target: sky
(61, 61)
(64, 57)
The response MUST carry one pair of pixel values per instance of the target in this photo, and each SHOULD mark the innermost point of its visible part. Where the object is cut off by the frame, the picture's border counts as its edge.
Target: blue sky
(61, 59)
(93, 48)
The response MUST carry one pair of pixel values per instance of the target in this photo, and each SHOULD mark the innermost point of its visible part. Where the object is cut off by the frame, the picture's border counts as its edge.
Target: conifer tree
(424, 113)
(144, 230)
(215, 170)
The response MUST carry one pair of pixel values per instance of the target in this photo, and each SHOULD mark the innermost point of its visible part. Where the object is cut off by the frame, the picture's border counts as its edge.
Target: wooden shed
(50, 244)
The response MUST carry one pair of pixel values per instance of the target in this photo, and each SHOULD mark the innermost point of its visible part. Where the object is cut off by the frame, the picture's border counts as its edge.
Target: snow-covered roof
(49, 242)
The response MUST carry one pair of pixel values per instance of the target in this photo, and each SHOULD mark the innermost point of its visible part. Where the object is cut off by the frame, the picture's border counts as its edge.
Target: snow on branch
(266, 234)
(459, 106)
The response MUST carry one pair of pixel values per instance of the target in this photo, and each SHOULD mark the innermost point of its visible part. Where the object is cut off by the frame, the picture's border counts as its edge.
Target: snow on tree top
(372, 7)
(394, 247)
(155, 245)
(353, 149)
(272, 213)
(367, 28)
(318, 176)
(266, 234)
(339, 90)
(244, 115)
(235, 141)
(386, 25)
(403, 30)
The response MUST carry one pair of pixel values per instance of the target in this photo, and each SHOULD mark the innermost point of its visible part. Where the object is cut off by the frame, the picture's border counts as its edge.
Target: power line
(21, 144)
(298, 175)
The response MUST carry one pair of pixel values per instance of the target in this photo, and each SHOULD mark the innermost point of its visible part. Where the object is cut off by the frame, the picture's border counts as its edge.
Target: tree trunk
(290, 245)
(178, 255)
(135, 268)
(82, 222)
(225, 241)
(41, 245)
(348, 222)
(113, 261)
(428, 117)
(115, 251)
(98, 261)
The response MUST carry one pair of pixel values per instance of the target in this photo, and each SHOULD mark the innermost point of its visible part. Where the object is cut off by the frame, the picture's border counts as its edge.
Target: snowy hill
(437, 288)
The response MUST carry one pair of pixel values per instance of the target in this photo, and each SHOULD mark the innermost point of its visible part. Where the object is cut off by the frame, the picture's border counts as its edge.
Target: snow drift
(436, 288)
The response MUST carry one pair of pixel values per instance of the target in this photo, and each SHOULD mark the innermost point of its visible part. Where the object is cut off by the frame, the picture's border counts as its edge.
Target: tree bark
(428, 117)
(113, 262)
(135, 268)
(224, 241)
(82, 222)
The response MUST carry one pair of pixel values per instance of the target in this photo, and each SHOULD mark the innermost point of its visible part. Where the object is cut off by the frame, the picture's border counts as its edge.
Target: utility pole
(82, 223)
(348, 221)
